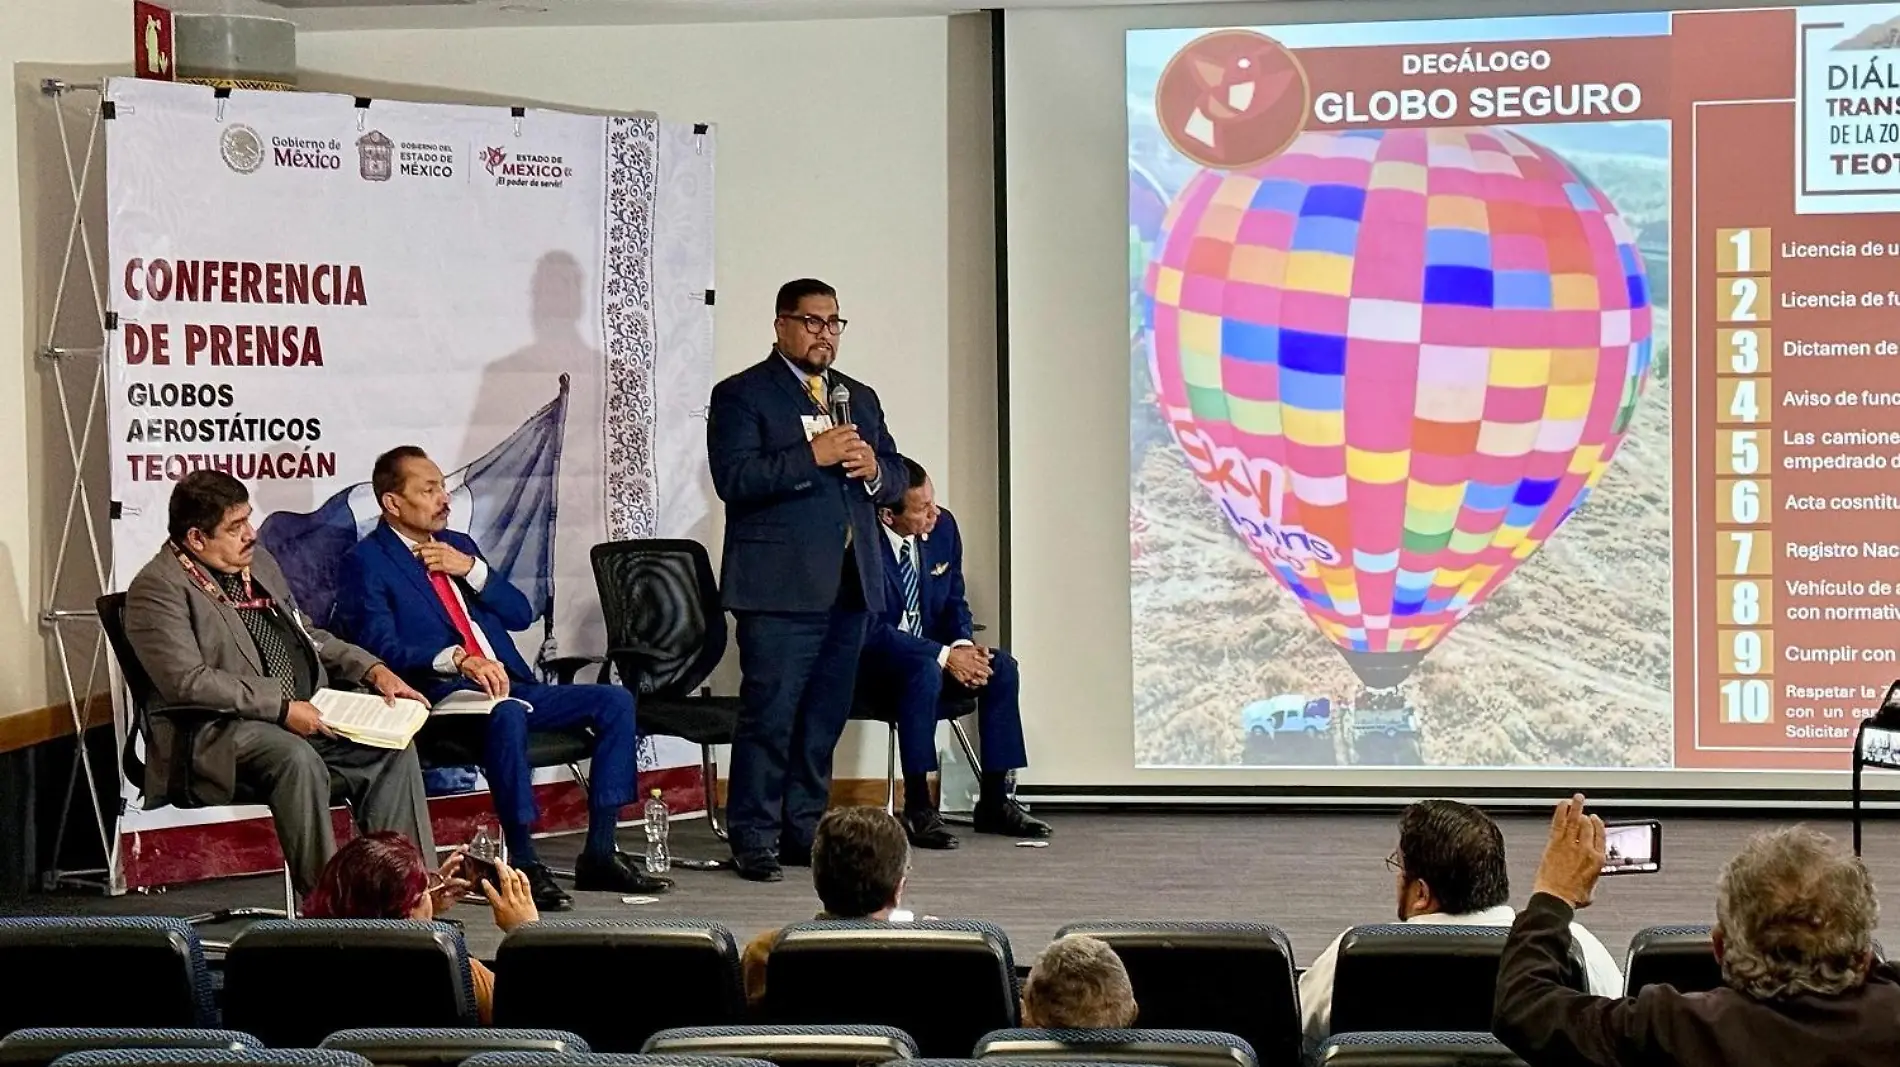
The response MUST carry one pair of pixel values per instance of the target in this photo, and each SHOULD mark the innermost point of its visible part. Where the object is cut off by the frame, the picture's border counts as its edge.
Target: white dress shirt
(913, 625)
(876, 480)
(1316, 984)
(477, 579)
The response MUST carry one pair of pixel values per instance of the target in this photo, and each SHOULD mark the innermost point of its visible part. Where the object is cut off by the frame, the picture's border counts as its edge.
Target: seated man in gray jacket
(213, 622)
(1794, 934)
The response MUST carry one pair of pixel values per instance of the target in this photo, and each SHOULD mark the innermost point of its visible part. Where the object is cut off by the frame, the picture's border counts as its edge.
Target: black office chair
(1155, 1048)
(605, 1059)
(40, 1046)
(1413, 1049)
(459, 741)
(185, 721)
(666, 631)
(250, 1057)
(788, 1046)
(872, 972)
(396, 973)
(447, 1046)
(643, 978)
(866, 707)
(1235, 978)
(1449, 975)
(52, 964)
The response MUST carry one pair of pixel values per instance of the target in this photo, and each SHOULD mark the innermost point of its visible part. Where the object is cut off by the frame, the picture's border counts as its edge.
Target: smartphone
(1632, 847)
(478, 868)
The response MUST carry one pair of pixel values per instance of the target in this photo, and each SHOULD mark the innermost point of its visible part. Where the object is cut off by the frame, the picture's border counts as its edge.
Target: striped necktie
(907, 574)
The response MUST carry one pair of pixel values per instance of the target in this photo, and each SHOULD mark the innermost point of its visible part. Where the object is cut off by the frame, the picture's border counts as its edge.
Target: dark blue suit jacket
(785, 515)
(385, 603)
(944, 609)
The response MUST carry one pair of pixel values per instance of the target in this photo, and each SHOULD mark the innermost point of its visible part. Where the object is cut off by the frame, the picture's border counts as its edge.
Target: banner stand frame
(67, 625)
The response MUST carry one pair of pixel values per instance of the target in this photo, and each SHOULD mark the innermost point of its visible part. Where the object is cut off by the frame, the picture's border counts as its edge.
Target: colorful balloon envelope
(1398, 360)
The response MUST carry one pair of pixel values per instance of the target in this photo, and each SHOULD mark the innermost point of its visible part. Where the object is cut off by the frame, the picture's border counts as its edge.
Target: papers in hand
(367, 719)
(471, 702)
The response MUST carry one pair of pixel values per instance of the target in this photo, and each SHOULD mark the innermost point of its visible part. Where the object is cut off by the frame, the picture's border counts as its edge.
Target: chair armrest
(633, 661)
(564, 668)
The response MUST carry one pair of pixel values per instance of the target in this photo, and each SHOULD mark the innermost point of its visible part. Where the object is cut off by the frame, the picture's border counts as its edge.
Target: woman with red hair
(382, 876)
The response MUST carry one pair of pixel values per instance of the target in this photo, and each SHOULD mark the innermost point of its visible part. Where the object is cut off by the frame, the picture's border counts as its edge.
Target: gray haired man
(1795, 917)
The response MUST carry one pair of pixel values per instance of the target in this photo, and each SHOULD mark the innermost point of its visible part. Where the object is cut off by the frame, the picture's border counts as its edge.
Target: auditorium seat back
(1413, 976)
(604, 1059)
(788, 1046)
(156, 968)
(620, 1004)
(250, 1057)
(943, 983)
(1157, 1048)
(1681, 955)
(446, 1046)
(1414, 1049)
(39, 1046)
(1234, 978)
(293, 983)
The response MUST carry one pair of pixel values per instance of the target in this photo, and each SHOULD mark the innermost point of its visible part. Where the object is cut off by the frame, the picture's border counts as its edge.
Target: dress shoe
(616, 873)
(757, 866)
(794, 855)
(926, 829)
(548, 894)
(1008, 819)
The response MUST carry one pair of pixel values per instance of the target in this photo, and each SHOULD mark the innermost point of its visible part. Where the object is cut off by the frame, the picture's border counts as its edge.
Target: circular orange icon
(1232, 99)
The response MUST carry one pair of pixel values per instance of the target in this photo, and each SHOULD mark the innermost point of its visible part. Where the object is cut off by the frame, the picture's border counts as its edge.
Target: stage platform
(1310, 874)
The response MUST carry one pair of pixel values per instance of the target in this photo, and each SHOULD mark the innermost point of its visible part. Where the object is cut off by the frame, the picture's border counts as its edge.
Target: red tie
(446, 593)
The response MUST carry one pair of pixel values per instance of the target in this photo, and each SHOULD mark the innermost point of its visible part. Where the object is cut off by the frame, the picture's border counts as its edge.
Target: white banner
(302, 282)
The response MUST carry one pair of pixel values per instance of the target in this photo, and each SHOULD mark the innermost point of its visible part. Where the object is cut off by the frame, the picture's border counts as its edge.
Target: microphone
(840, 405)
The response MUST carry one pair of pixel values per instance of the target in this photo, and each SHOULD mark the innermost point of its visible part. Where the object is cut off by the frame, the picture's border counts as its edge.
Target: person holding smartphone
(1803, 982)
(383, 876)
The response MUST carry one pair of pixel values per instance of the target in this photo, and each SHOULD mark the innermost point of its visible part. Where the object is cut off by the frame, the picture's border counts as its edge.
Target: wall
(76, 39)
(834, 161)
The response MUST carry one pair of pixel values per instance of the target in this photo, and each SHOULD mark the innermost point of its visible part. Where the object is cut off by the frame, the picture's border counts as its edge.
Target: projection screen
(1451, 401)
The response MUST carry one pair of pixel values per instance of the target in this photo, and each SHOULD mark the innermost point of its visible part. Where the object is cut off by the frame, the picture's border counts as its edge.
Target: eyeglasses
(815, 325)
(1395, 863)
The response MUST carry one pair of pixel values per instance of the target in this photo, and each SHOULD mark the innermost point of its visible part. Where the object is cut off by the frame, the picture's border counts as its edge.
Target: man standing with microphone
(801, 457)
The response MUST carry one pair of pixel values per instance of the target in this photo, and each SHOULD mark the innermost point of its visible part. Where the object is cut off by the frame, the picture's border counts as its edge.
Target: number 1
(1740, 239)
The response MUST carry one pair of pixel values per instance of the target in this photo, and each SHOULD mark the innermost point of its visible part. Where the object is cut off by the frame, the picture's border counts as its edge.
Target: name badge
(815, 425)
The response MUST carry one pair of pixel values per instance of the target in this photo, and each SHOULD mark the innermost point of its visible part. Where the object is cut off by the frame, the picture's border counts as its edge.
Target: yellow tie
(816, 387)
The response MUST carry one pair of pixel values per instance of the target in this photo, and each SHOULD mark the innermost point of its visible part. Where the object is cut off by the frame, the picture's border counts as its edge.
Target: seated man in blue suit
(919, 653)
(421, 596)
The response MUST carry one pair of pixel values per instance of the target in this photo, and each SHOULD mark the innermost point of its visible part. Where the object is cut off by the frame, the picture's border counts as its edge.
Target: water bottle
(658, 859)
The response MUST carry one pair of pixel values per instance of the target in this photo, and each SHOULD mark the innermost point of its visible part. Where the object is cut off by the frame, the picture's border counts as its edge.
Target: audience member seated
(860, 859)
(1794, 933)
(1450, 871)
(382, 876)
(919, 652)
(212, 620)
(1078, 984)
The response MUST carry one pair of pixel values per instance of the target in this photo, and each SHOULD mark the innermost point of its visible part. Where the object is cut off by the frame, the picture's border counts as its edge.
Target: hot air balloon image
(1398, 360)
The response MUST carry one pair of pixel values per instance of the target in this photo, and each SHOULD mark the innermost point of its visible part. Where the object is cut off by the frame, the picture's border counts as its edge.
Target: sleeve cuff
(961, 641)
(877, 482)
(283, 713)
(477, 577)
(1553, 904)
(445, 660)
(943, 655)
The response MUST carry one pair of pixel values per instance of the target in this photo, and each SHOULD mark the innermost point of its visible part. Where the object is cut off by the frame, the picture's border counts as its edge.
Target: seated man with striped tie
(919, 654)
(421, 596)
